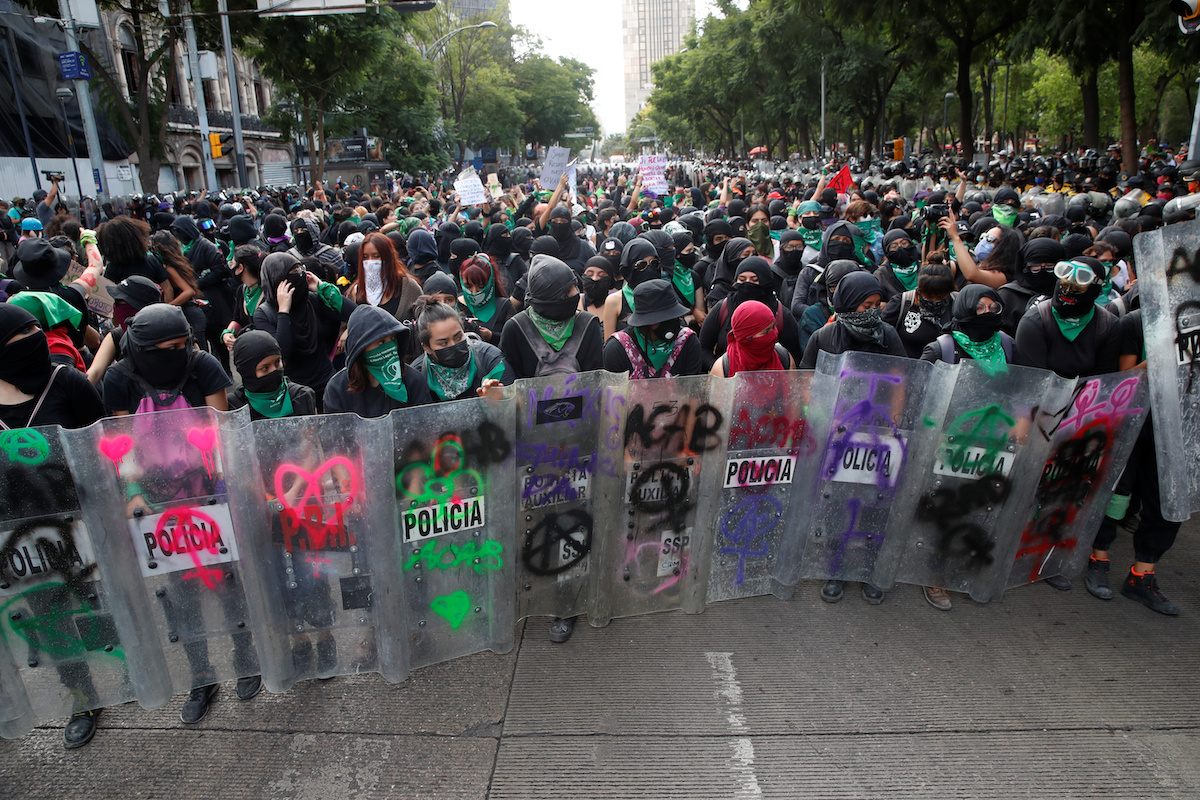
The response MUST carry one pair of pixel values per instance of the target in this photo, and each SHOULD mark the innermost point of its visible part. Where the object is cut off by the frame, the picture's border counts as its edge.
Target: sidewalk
(1046, 695)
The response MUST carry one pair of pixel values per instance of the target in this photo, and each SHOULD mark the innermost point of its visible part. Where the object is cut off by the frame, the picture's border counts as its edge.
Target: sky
(590, 32)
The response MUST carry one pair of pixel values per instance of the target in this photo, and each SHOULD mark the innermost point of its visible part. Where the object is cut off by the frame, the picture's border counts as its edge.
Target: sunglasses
(1079, 274)
(647, 263)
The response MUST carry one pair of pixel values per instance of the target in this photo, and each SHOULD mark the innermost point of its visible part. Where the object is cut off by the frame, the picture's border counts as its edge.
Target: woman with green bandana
(483, 296)
(898, 273)
(656, 344)
(455, 365)
(1106, 254)
(1068, 333)
(1006, 203)
(375, 381)
(758, 230)
(264, 388)
(551, 335)
(247, 268)
(921, 314)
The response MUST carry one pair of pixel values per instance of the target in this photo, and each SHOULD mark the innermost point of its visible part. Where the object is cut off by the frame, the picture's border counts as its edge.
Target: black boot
(1144, 589)
(80, 729)
(1096, 578)
(561, 629)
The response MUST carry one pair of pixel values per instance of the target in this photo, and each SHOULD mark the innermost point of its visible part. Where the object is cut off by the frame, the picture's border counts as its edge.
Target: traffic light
(897, 149)
(217, 143)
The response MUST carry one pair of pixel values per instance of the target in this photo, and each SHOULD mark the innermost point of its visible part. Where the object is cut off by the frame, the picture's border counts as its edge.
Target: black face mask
(557, 310)
(26, 364)
(666, 330)
(502, 247)
(687, 259)
(666, 258)
(615, 260)
(903, 256)
(299, 288)
(560, 230)
(267, 383)
(789, 260)
(733, 265)
(980, 327)
(750, 291)
(1041, 282)
(1075, 305)
(714, 250)
(812, 223)
(596, 290)
(303, 239)
(163, 368)
(840, 250)
(455, 355)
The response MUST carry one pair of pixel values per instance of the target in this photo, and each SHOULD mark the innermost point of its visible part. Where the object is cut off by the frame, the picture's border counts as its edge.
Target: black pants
(1154, 535)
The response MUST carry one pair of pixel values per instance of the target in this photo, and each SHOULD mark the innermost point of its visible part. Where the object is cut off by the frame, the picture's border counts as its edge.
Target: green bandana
(186, 247)
(989, 353)
(555, 332)
(330, 296)
(510, 224)
(384, 365)
(683, 281)
(272, 404)
(1071, 327)
(860, 251)
(49, 309)
(481, 304)
(657, 352)
(871, 229)
(407, 224)
(1004, 215)
(627, 293)
(447, 383)
(251, 298)
(812, 238)
(1105, 296)
(906, 275)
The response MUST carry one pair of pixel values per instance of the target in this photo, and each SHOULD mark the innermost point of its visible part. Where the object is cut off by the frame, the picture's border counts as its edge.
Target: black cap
(655, 301)
(136, 290)
(42, 265)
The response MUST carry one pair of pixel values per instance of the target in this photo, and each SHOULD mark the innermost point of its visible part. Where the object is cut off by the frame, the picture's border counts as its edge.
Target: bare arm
(544, 218)
(183, 292)
(966, 262)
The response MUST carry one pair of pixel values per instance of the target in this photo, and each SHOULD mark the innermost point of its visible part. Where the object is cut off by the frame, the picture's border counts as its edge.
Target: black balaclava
(684, 239)
(718, 227)
(1040, 251)
(611, 249)
(790, 261)
(548, 283)
(522, 240)
(738, 225)
(763, 291)
(737, 208)
(251, 348)
(695, 228)
(277, 268)
(904, 256)
(569, 245)
(24, 364)
(153, 325)
(596, 289)
(1079, 304)
(665, 246)
(622, 232)
(399, 244)
(474, 230)
(980, 327)
(447, 232)
(460, 251)
(835, 251)
(1075, 243)
(544, 246)
(638, 250)
(497, 242)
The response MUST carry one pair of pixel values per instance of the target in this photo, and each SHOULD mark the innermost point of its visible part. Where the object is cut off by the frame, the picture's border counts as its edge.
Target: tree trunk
(963, 88)
(1151, 123)
(317, 180)
(985, 82)
(148, 168)
(1089, 90)
(804, 137)
(1125, 87)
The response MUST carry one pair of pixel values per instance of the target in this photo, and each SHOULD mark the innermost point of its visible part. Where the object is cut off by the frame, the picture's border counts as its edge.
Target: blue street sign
(96, 175)
(477, 162)
(74, 66)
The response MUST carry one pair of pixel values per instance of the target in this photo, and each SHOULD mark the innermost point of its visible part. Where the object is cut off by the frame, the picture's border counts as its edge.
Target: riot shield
(454, 501)
(875, 423)
(771, 459)
(1168, 263)
(1091, 437)
(163, 479)
(316, 519)
(967, 500)
(658, 546)
(568, 482)
(60, 651)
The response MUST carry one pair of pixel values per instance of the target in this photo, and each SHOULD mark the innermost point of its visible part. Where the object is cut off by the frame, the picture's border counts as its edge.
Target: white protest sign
(571, 182)
(555, 166)
(653, 171)
(470, 189)
(494, 186)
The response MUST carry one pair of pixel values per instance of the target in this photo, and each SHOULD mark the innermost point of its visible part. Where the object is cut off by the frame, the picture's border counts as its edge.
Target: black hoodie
(213, 275)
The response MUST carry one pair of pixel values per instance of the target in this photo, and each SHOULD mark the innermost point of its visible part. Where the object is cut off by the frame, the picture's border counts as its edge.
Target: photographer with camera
(47, 200)
(999, 250)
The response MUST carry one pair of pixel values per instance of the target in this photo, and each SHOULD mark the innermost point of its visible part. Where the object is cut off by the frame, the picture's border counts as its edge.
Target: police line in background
(149, 554)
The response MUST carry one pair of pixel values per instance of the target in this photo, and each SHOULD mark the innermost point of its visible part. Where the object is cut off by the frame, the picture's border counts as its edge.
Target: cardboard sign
(653, 171)
(555, 166)
(470, 189)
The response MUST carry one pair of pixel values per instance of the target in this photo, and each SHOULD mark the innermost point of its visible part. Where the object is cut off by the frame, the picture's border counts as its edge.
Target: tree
(553, 97)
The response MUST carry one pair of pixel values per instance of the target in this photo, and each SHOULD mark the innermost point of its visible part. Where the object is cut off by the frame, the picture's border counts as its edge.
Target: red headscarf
(747, 354)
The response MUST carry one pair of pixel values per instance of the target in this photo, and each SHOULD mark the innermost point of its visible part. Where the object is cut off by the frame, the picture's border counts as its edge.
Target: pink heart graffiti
(116, 448)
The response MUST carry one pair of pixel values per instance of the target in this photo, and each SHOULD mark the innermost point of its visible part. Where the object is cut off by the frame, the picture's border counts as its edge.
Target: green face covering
(447, 383)
(49, 309)
(1004, 215)
(186, 247)
(860, 251)
(989, 353)
(1071, 327)
(481, 303)
(682, 280)
(272, 404)
(657, 351)
(811, 237)
(906, 275)
(555, 332)
(384, 365)
(871, 229)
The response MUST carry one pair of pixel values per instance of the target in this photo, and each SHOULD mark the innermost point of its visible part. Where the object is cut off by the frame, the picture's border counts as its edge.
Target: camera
(935, 212)
(51, 175)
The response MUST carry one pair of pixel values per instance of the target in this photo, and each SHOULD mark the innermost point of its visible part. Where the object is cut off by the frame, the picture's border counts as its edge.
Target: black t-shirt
(690, 360)
(122, 394)
(1133, 338)
(150, 268)
(72, 402)
(1094, 351)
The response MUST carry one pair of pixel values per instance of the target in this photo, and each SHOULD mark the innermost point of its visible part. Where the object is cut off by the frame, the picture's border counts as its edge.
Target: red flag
(841, 182)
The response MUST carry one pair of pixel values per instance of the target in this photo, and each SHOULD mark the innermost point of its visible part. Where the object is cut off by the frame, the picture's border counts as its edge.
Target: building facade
(650, 30)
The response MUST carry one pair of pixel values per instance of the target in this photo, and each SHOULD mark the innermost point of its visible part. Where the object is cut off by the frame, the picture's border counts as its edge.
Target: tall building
(650, 29)
(466, 9)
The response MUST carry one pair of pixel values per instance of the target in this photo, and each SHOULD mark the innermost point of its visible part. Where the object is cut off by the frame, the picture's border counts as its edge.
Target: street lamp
(1003, 125)
(942, 138)
(426, 52)
(64, 94)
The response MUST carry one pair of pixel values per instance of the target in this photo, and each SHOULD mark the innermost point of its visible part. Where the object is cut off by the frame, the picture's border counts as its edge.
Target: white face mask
(372, 272)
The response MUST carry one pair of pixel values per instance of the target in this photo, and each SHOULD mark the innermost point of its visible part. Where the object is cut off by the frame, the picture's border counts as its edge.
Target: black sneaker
(1096, 578)
(1144, 589)
(561, 629)
(327, 657)
(249, 687)
(1060, 582)
(831, 592)
(871, 594)
(80, 729)
(196, 706)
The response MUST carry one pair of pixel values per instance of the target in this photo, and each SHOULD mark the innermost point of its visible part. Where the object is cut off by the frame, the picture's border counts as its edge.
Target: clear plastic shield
(771, 459)
(674, 445)
(875, 423)
(1049, 203)
(967, 501)
(60, 651)
(567, 484)
(165, 491)
(1168, 263)
(1091, 437)
(454, 502)
(317, 524)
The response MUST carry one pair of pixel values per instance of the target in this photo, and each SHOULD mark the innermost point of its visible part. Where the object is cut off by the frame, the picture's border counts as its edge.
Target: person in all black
(752, 280)
(858, 323)
(214, 280)
(551, 335)
(1035, 280)
(656, 344)
(375, 381)
(920, 315)
(265, 388)
(1069, 334)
